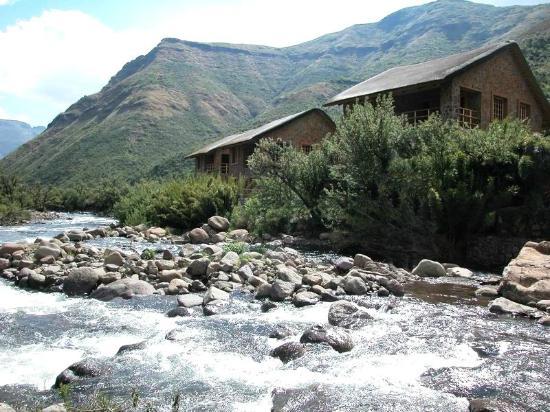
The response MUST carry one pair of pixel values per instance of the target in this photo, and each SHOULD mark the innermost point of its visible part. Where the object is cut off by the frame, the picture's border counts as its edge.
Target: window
(306, 148)
(500, 108)
(524, 111)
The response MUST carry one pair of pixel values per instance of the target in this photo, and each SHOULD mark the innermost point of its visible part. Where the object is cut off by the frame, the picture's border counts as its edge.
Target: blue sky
(55, 51)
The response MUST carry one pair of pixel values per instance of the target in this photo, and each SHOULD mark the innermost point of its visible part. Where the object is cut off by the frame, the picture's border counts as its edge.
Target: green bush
(179, 203)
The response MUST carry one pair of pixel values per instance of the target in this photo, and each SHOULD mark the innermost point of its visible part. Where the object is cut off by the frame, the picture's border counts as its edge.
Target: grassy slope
(183, 94)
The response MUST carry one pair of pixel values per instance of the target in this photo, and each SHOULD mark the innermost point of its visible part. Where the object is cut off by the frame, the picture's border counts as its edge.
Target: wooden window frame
(504, 107)
(520, 115)
(306, 148)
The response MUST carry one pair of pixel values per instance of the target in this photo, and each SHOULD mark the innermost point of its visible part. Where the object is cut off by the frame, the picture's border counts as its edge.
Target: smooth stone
(503, 305)
(343, 264)
(178, 311)
(198, 235)
(131, 347)
(81, 281)
(124, 288)
(113, 258)
(487, 291)
(218, 223)
(280, 332)
(213, 293)
(305, 298)
(288, 351)
(361, 261)
(190, 300)
(280, 290)
(429, 268)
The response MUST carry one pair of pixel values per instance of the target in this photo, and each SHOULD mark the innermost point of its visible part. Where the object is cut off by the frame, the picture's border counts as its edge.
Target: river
(435, 350)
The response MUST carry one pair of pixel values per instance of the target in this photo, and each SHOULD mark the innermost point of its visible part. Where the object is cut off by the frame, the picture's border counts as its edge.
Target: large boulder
(239, 234)
(198, 235)
(4, 407)
(81, 281)
(156, 231)
(339, 339)
(218, 223)
(347, 315)
(361, 261)
(526, 279)
(124, 288)
(343, 264)
(429, 268)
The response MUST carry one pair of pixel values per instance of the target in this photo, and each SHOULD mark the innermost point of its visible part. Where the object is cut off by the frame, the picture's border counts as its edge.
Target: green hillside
(183, 94)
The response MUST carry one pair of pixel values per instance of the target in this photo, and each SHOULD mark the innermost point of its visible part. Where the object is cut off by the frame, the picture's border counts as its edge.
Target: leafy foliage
(379, 175)
(179, 203)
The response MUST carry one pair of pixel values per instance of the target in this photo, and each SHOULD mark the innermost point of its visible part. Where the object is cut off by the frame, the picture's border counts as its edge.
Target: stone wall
(501, 75)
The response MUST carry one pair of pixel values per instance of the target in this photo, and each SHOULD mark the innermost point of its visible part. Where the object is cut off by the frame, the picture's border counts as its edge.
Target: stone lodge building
(228, 156)
(475, 87)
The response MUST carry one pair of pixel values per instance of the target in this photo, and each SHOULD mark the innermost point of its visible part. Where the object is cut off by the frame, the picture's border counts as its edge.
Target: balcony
(468, 117)
(417, 116)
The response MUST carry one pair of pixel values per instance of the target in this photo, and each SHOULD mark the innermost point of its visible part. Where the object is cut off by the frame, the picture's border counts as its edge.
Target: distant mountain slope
(183, 94)
(14, 133)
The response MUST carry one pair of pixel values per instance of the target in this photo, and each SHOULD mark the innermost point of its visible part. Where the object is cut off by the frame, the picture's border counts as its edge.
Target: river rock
(280, 332)
(459, 272)
(214, 293)
(361, 261)
(177, 287)
(198, 267)
(392, 285)
(526, 279)
(288, 351)
(280, 290)
(288, 274)
(4, 407)
(156, 231)
(81, 281)
(36, 280)
(354, 285)
(113, 258)
(347, 315)
(218, 223)
(343, 264)
(230, 262)
(178, 311)
(429, 268)
(487, 291)
(47, 251)
(339, 339)
(239, 234)
(77, 235)
(198, 235)
(131, 347)
(545, 320)
(214, 307)
(86, 368)
(305, 298)
(124, 288)
(169, 275)
(503, 305)
(190, 300)
(9, 248)
(4, 263)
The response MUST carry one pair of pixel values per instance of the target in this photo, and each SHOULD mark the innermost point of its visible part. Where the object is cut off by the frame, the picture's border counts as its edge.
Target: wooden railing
(224, 168)
(416, 116)
(467, 117)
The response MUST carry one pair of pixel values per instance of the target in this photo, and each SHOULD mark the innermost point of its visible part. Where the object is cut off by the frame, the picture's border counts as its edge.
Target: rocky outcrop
(526, 279)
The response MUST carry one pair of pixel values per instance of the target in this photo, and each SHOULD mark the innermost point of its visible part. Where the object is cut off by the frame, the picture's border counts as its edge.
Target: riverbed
(434, 350)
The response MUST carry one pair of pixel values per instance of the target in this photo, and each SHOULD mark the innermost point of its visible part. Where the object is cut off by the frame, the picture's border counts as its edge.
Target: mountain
(14, 133)
(183, 94)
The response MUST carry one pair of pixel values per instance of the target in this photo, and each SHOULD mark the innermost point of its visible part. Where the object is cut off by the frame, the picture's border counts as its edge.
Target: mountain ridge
(183, 94)
(14, 133)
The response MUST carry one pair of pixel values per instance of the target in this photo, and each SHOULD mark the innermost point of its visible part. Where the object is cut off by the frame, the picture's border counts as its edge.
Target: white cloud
(59, 56)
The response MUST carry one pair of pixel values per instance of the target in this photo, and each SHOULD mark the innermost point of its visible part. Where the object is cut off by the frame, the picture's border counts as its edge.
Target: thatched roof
(249, 135)
(431, 71)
